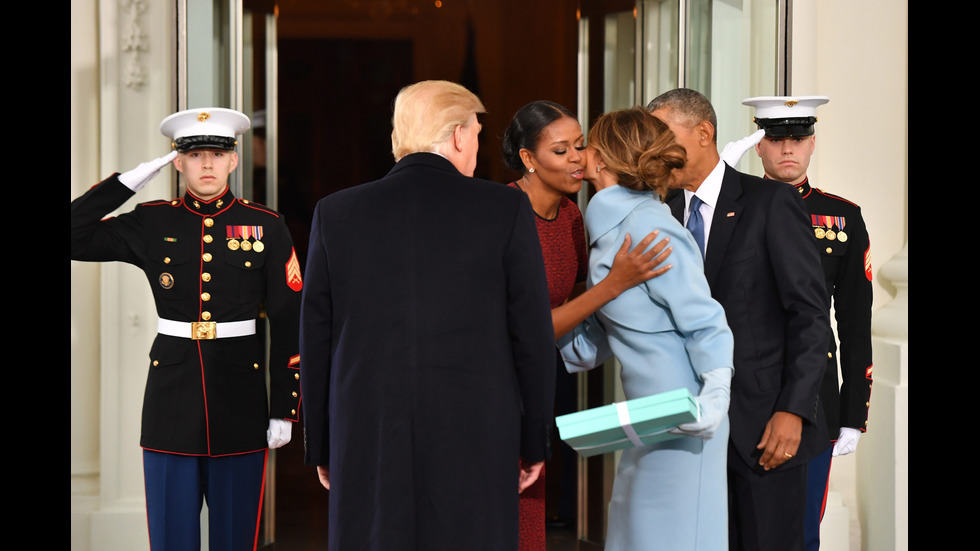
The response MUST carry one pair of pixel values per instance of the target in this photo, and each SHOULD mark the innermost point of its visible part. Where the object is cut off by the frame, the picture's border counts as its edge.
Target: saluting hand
(138, 177)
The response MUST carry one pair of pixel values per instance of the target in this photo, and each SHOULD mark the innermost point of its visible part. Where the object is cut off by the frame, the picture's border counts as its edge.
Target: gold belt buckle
(203, 331)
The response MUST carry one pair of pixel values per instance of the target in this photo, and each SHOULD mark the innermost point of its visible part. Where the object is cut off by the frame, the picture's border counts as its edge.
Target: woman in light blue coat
(667, 333)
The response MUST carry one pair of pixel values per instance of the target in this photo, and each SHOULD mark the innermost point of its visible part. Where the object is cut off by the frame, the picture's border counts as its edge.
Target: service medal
(841, 236)
(818, 232)
(246, 245)
(258, 246)
(831, 235)
(233, 244)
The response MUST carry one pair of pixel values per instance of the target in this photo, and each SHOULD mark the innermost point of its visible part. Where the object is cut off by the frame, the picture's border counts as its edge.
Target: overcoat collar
(609, 207)
(432, 160)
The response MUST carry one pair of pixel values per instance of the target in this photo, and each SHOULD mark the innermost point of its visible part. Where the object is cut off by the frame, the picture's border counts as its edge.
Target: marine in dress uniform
(841, 238)
(215, 263)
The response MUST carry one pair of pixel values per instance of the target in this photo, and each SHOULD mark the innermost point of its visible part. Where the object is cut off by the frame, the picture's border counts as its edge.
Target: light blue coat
(665, 333)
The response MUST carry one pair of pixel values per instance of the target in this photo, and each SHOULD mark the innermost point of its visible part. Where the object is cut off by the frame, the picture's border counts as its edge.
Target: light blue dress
(665, 333)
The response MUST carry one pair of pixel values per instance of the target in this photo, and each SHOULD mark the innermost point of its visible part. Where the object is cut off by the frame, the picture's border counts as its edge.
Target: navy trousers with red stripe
(817, 483)
(176, 487)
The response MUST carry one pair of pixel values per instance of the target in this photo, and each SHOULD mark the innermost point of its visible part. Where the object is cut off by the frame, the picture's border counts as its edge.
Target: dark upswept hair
(524, 131)
(692, 106)
(638, 147)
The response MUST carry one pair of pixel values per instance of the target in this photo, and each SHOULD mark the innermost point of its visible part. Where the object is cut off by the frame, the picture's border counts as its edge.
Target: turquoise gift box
(604, 429)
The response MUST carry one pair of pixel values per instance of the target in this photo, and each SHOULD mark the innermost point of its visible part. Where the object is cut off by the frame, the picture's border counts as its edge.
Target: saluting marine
(842, 241)
(212, 261)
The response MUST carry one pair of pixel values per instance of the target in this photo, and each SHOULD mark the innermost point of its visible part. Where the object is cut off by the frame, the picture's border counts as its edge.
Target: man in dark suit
(762, 268)
(429, 363)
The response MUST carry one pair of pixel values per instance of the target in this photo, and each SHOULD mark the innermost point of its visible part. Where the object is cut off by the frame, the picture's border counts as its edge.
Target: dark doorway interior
(334, 118)
(340, 66)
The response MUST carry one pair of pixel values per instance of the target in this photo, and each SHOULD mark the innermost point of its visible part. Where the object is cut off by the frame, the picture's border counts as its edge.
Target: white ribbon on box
(623, 412)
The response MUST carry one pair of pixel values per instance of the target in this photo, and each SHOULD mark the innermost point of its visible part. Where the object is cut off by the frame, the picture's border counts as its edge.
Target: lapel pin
(730, 214)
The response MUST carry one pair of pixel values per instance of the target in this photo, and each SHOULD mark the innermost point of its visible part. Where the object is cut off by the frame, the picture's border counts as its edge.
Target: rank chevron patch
(867, 262)
(294, 279)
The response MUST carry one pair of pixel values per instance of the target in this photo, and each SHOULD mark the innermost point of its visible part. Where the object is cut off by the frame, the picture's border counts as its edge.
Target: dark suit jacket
(762, 267)
(428, 356)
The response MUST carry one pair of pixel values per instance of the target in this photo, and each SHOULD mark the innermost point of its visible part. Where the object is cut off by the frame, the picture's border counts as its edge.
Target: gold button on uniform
(208, 222)
(166, 260)
(206, 277)
(295, 394)
(205, 315)
(207, 257)
(296, 376)
(829, 250)
(208, 238)
(205, 296)
(830, 354)
(248, 264)
(255, 366)
(293, 411)
(156, 363)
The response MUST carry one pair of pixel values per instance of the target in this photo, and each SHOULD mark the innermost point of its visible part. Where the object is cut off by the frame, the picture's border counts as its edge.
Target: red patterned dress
(566, 262)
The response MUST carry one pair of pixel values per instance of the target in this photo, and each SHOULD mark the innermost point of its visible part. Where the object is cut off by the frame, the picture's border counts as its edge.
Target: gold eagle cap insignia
(203, 116)
(791, 103)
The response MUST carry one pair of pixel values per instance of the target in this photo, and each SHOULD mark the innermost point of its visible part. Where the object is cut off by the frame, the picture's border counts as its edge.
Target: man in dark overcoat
(427, 343)
(762, 268)
(841, 239)
(215, 263)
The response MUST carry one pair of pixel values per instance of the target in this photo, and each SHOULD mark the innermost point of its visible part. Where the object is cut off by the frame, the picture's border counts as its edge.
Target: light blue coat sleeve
(585, 347)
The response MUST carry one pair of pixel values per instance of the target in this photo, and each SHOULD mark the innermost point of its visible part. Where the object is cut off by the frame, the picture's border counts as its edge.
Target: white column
(122, 81)
(883, 465)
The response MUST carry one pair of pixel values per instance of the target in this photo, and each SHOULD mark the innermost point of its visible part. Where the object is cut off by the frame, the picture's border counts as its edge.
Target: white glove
(733, 151)
(279, 433)
(847, 441)
(138, 177)
(713, 402)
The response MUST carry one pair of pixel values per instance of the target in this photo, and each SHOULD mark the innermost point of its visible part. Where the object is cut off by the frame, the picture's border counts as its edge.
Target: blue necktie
(695, 223)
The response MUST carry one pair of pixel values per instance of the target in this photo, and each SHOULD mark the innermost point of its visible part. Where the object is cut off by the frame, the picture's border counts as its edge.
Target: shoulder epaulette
(832, 196)
(258, 206)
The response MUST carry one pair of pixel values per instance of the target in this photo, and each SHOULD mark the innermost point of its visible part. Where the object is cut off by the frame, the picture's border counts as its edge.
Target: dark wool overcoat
(428, 358)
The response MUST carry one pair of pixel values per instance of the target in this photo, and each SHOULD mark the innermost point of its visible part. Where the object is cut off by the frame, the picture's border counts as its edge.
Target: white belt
(206, 330)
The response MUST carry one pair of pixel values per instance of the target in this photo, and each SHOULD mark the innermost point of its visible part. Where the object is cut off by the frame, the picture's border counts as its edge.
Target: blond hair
(426, 114)
(638, 147)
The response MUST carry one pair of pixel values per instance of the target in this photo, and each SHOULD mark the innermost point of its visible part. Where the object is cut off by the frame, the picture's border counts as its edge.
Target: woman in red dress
(545, 143)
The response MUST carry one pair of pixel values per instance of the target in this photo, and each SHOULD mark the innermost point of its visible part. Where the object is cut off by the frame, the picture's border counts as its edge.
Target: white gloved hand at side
(279, 433)
(138, 177)
(713, 401)
(733, 151)
(847, 441)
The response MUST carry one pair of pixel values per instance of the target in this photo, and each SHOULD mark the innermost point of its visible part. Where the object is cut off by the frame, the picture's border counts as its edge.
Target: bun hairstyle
(638, 147)
(524, 131)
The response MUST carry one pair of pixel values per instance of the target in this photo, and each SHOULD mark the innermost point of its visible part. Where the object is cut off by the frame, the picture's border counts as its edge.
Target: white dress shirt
(708, 192)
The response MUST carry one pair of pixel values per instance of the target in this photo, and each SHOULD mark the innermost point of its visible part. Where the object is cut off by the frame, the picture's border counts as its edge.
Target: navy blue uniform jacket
(205, 397)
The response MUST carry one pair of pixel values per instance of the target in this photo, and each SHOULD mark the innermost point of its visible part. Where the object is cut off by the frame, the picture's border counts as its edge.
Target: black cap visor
(190, 143)
(787, 128)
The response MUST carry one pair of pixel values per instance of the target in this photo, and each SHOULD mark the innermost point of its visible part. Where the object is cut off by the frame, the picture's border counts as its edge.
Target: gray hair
(690, 105)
